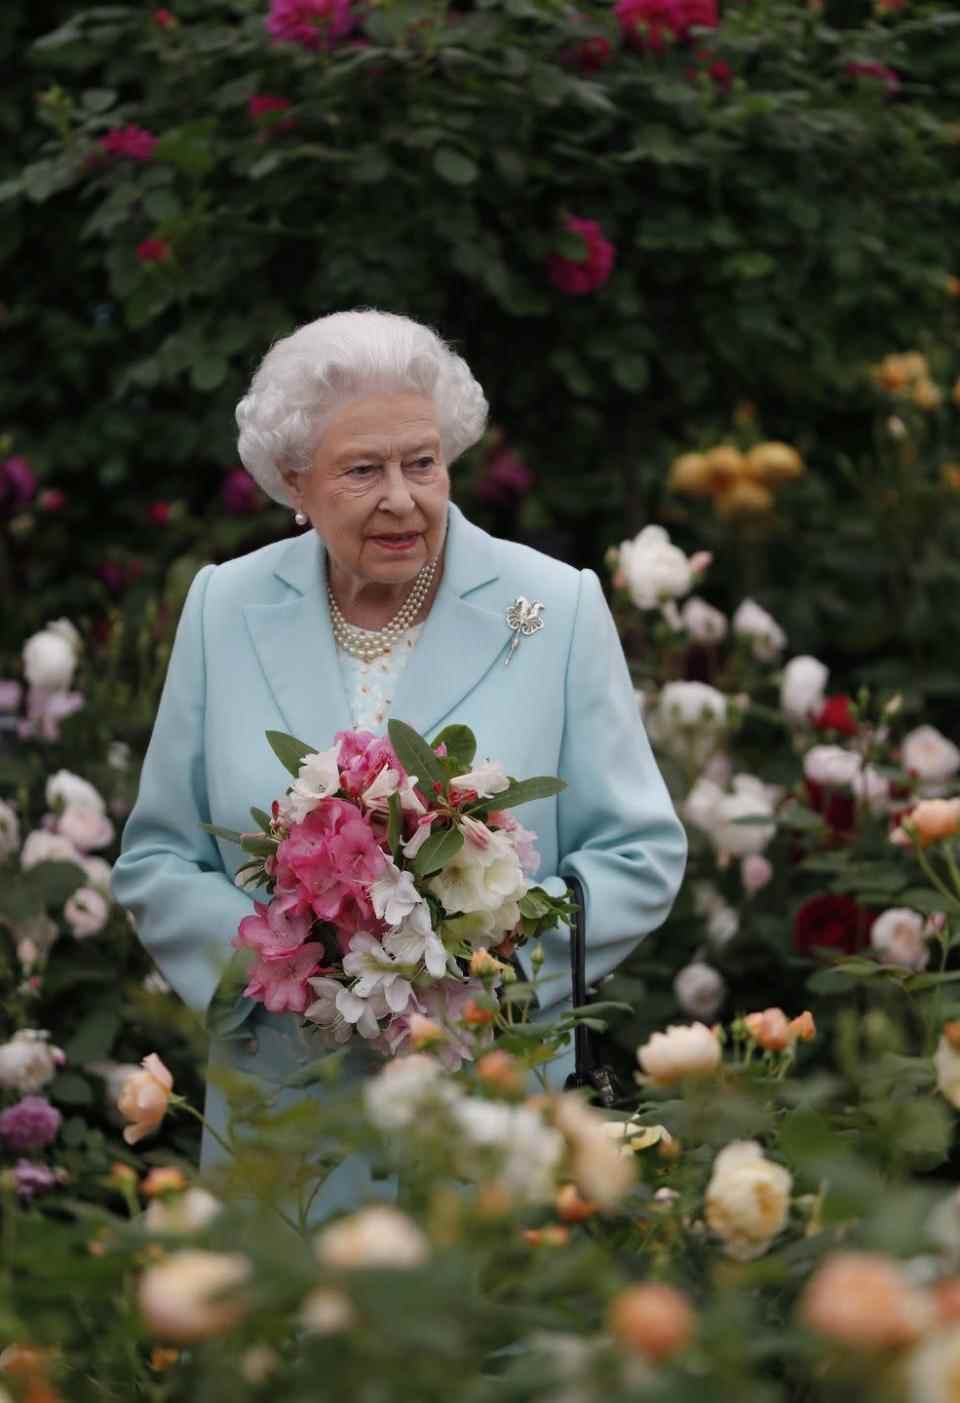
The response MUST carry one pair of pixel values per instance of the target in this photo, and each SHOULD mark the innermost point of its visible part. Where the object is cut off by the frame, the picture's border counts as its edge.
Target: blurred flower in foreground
(684, 1050)
(748, 1198)
(144, 1097)
(862, 1300)
(183, 1298)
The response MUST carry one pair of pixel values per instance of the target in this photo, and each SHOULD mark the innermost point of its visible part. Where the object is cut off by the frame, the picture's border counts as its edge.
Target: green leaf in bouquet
(260, 818)
(460, 742)
(229, 1008)
(394, 823)
(415, 755)
(534, 903)
(258, 846)
(439, 849)
(523, 791)
(230, 835)
(288, 750)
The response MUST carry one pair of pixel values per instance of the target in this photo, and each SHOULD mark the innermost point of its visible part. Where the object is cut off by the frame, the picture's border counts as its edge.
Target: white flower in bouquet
(699, 989)
(946, 1062)
(747, 1200)
(377, 795)
(41, 846)
(752, 622)
(684, 1050)
(415, 940)
(832, 766)
(28, 1061)
(65, 789)
(485, 780)
(394, 894)
(323, 1011)
(510, 1144)
(187, 1212)
(484, 874)
(653, 569)
(182, 1298)
(899, 937)
(689, 721)
(318, 778)
(702, 622)
(86, 912)
(376, 1237)
(803, 688)
(84, 827)
(406, 1089)
(9, 830)
(374, 971)
(928, 755)
(50, 656)
(601, 1173)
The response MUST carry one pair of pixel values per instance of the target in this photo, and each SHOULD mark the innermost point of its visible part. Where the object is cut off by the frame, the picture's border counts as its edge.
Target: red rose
(577, 278)
(154, 251)
(159, 513)
(836, 715)
(837, 808)
(831, 921)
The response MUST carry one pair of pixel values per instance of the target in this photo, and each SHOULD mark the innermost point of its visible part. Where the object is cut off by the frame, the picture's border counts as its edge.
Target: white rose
(699, 989)
(484, 780)
(946, 1061)
(526, 1151)
(183, 1297)
(598, 1168)
(9, 830)
(118, 755)
(872, 790)
(803, 687)
(188, 1212)
(482, 876)
(65, 789)
(28, 1061)
(747, 1199)
(689, 721)
(723, 923)
(684, 1050)
(378, 1236)
(86, 912)
(325, 1311)
(700, 805)
(98, 873)
(397, 1096)
(50, 659)
(898, 937)
(934, 760)
(738, 839)
(831, 766)
(653, 569)
(64, 629)
(41, 846)
(85, 828)
(703, 623)
(767, 638)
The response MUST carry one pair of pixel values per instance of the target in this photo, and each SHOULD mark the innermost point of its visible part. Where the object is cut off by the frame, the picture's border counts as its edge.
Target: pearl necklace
(368, 644)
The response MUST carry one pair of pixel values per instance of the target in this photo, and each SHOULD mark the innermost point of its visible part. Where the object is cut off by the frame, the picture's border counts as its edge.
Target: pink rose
(654, 23)
(131, 141)
(86, 912)
(313, 23)
(85, 827)
(577, 278)
(755, 872)
(154, 251)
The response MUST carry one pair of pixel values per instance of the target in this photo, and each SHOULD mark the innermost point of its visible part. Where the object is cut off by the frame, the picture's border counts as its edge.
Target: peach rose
(501, 1072)
(651, 1319)
(684, 1050)
(930, 820)
(182, 1298)
(862, 1300)
(144, 1097)
(770, 1029)
(803, 1027)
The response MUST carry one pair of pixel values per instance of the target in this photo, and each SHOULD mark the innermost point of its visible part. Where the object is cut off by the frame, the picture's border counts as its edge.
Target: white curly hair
(310, 374)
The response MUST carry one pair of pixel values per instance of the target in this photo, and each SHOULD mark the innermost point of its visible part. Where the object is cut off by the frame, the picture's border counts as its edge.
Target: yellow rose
(774, 462)
(690, 473)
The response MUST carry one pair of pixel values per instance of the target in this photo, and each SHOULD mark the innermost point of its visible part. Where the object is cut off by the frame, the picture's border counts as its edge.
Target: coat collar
(460, 642)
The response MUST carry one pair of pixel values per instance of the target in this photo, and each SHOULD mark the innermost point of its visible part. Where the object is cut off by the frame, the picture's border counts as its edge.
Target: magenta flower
(313, 23)
(878, 71)
(651, 24)
(45, 711)
(361, 757)
(10, 694)
(31, 1124)
(505, 478)
(30, 1179)
(329, 862)
(579, 278)
(131, 141)
(281, 983)
(240, 493)
(52, 499)
(262, 103)
(278, 929)
(164, 19)
(17, 482)
(154, 251)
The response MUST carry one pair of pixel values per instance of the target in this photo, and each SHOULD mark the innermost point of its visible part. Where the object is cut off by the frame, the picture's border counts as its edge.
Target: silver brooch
(524, 617)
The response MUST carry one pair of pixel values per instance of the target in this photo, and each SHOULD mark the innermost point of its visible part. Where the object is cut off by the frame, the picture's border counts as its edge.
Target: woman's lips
(397, 542)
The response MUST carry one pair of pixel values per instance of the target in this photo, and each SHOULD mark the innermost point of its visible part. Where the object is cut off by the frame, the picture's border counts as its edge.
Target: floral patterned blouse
(372, 686)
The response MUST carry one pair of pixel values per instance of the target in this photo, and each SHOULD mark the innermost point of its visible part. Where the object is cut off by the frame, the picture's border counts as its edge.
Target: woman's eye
(422, 464)
(362, 470)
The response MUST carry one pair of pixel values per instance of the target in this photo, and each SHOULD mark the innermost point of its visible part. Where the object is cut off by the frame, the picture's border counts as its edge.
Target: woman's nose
(397, 495)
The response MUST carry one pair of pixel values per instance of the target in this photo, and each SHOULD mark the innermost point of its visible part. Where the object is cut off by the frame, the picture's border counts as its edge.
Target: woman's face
(378, 488)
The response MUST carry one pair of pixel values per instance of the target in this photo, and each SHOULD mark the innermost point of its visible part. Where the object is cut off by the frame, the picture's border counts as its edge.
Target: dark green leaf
(288, 750)
(261, 819)
(70, 1090)
(437, 851)
(461, 744)
(523, 792)
(415, 754)
(454, 166)
(230, 835)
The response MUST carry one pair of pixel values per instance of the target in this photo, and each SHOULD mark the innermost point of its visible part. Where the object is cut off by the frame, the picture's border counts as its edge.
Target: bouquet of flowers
(395, 876)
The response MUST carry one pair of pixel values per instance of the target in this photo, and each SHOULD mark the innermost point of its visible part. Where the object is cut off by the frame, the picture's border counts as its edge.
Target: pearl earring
(300, 518)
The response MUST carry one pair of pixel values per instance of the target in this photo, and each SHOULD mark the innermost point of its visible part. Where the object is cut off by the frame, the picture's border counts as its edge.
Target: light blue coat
(254, 652)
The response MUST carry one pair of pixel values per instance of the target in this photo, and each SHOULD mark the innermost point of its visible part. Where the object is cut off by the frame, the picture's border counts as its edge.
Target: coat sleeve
(170, 876)
(617, 829)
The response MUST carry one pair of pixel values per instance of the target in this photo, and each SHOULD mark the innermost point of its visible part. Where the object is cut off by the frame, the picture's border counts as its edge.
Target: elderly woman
(392, 604)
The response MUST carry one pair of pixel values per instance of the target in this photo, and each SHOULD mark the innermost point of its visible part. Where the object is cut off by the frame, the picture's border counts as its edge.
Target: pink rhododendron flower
(524, 840)
(135, 142)
(154, 251)
(330, 861)
(362, 757)
(312, 23)
(579, 278)
(653, 23)
(277, 930)
(281, 982)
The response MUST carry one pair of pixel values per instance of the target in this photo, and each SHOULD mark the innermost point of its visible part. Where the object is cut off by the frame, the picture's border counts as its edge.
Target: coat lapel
(295, 647)
(461, 639)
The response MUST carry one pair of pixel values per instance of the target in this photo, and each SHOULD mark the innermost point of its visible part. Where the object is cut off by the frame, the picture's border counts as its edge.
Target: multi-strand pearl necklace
(368, 644)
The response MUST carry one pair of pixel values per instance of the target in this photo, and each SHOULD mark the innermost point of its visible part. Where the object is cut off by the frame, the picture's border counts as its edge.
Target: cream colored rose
(144, 1097)
(326, 1312)
(684, 1050)
(192, 1295)
(899, 937)
(378, 1236)
(863, 1300)
(28, 1061)
(927, 754)
(933, 1369)
(803, 687)
(50, 657)
(598, 1168)
(747, 1200)
(187, 1212)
